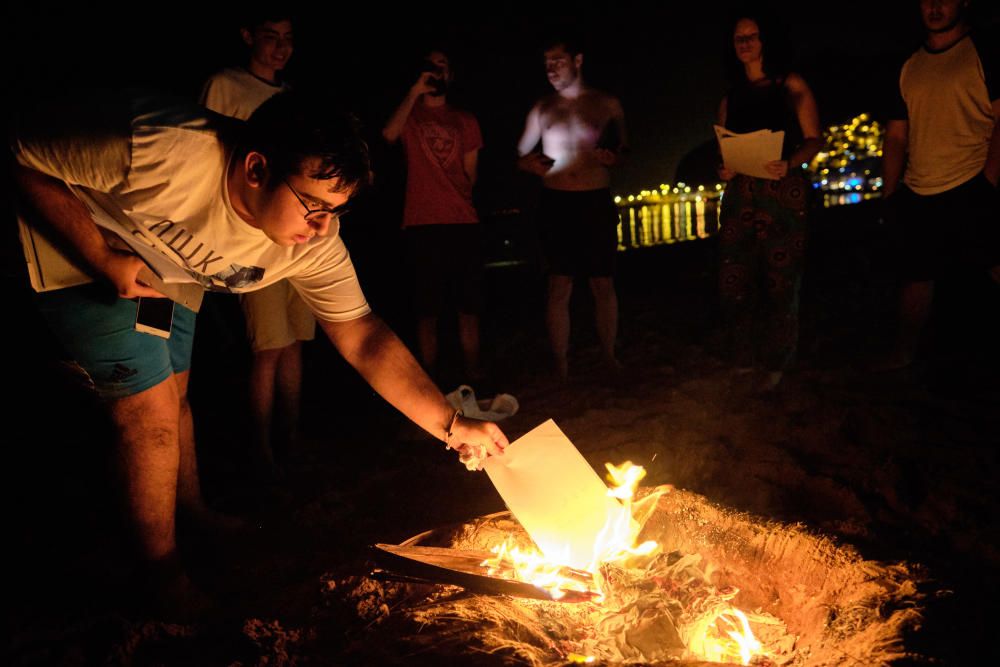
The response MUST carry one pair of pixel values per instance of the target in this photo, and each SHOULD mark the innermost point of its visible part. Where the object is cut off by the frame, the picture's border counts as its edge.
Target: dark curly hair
(291, 128)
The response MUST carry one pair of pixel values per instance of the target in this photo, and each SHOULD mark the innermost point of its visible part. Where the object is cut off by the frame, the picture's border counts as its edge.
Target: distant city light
(846, 170)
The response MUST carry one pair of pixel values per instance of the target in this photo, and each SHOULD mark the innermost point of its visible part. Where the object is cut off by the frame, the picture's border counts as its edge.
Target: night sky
(665, 63)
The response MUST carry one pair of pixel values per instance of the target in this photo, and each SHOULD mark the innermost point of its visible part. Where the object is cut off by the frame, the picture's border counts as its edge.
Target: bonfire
(670, 577)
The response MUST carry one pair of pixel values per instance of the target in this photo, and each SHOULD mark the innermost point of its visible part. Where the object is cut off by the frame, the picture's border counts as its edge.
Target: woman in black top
(763, 220)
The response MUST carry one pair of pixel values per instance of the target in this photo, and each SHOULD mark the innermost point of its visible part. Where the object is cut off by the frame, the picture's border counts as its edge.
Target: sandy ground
(902, 466)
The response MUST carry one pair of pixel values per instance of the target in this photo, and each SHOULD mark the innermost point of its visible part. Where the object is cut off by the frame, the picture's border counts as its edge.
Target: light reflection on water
(846, 198)
(663, 220)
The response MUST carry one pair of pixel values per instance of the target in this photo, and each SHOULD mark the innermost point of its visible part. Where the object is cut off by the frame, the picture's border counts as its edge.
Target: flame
(721, 634)
(616, 540)
(615, 543)
(724, 636)
(531, 566)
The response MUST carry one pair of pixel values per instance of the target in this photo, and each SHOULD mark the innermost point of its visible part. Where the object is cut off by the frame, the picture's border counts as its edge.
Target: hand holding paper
(750, 153)
(554, 493)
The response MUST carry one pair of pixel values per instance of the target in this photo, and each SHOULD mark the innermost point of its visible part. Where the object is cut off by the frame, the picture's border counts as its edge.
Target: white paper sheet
(554, 493)
(748, 153)
(49, 268)
(104, 213)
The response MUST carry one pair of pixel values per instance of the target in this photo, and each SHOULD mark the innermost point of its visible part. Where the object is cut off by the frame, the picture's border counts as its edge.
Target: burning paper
(636, 605)
(632, 608)
(555, 494)
(578, 522)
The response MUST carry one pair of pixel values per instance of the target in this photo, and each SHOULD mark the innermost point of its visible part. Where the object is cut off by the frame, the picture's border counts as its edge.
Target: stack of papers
(748, 153)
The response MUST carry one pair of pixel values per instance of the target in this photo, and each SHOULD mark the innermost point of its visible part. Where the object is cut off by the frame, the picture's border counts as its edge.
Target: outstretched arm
(385, 363)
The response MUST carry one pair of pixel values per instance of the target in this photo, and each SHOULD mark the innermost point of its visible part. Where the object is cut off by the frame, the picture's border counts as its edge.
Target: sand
(899, 467)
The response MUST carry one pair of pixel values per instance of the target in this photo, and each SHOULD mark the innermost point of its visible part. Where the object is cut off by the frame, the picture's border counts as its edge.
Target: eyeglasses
(312, 214)
(747, 39)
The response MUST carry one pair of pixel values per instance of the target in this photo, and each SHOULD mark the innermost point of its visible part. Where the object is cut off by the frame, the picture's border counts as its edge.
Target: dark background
(663, 61)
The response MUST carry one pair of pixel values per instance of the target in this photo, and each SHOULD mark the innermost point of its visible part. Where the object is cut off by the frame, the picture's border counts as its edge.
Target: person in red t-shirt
(441, 228)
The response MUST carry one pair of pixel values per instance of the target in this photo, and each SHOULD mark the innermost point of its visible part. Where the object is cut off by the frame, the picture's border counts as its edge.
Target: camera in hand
(438, 83)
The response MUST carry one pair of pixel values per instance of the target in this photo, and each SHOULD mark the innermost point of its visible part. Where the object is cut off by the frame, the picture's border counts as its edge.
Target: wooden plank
(460, 568)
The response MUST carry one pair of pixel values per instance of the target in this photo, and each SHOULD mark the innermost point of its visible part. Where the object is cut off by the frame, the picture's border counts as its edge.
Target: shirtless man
(582, 135)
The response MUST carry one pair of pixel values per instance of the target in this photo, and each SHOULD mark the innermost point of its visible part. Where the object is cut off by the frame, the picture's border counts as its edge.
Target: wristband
(449, 431)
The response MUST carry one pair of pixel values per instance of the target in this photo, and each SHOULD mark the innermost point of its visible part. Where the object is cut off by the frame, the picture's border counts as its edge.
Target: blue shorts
(97, 328)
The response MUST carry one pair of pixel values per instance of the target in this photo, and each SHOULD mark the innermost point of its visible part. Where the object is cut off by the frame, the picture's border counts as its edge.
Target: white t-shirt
(236, 92)
(167, 177)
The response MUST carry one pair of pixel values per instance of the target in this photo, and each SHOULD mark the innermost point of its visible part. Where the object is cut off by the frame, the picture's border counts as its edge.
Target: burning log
(463, 568)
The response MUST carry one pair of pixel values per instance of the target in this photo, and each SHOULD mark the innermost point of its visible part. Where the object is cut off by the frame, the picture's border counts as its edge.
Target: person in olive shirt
(941, 163)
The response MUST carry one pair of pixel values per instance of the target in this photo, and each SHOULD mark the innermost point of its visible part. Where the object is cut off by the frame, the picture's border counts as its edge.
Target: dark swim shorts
(97, 328)
(446, 267)
(954, 230)
(579, 232)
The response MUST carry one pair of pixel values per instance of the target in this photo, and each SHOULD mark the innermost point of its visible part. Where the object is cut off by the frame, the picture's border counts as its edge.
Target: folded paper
(748, 153)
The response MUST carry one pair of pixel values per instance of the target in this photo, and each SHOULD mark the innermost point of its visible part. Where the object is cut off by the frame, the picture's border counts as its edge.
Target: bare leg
(606, 317)
(190, 502)
(149, 455)
(290, 387)
(468, 335)
(188, 482)
(557, 320)
(263, 375)
(914, 309)
(427, 339)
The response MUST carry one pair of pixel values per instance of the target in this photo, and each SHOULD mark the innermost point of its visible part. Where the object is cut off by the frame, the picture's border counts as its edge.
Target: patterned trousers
(762, 241)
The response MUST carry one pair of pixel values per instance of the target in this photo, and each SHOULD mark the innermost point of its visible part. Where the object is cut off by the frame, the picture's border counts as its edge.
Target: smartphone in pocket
(154, 316)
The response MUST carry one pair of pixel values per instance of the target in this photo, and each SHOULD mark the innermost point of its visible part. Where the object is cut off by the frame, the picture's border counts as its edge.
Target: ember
(807, 601)
(720, 632)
